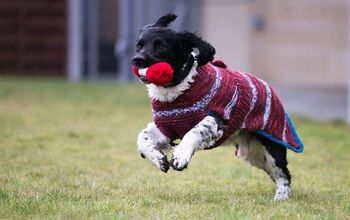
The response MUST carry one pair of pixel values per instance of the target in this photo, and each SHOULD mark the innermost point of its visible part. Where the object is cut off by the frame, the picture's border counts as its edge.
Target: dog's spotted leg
(154, 146)
(269, 157)
(280, 177)
(276, 164)
(202, 136)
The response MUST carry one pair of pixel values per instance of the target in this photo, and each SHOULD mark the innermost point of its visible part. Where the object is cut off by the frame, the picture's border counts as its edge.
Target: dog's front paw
(181, 158)
(156, 157)
(164, 164)
(282, 193)
(160, 161)
(179, 164)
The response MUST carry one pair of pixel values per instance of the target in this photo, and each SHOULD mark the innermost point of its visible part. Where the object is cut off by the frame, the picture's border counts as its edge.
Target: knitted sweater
(241, 99)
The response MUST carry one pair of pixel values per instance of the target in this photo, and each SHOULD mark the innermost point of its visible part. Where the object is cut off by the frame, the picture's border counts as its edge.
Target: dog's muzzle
(141, 74)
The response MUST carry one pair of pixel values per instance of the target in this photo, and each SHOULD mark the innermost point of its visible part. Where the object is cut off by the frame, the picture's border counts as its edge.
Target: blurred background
(301, 47)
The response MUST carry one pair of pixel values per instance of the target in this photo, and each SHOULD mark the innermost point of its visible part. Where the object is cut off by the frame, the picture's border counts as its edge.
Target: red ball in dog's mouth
(159, 74)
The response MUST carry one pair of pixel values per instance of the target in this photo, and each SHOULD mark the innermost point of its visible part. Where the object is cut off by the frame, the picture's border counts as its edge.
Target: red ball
(160, 74)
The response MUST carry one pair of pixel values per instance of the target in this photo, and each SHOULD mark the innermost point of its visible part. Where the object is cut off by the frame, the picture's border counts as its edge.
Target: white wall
(225, 25)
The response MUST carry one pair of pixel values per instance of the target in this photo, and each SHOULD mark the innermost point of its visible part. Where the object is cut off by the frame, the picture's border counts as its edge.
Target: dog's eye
(138, 47)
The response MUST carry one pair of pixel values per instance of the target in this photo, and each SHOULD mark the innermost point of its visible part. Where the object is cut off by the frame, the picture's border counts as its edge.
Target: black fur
(279, 153)
(206, 51)
(158, 43)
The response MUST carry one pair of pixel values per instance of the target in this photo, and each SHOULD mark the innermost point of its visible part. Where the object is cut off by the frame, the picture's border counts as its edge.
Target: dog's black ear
(206, 51)
(165, 20)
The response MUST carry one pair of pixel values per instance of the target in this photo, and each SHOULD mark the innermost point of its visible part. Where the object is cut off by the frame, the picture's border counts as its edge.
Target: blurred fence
(103, 33)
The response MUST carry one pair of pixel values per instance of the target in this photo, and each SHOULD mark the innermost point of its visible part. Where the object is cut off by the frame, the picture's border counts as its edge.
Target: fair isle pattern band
(230, 105)
(284, 129)
(198, 106)
(267, 104)
(254, 98)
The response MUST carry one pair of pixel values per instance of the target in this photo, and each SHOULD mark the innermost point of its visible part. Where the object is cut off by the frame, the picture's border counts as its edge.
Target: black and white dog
(158, 43)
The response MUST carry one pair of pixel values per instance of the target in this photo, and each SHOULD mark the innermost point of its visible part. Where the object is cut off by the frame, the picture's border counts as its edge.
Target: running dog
(204, 104)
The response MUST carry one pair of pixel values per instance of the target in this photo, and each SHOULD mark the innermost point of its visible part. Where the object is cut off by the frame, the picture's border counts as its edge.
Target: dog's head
(158, 43)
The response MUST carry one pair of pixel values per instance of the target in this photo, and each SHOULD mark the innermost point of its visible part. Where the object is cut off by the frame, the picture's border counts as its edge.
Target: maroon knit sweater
(241, 99)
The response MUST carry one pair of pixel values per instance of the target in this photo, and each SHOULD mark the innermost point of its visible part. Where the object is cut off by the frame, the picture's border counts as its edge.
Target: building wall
(225, 24)
(108, 12)
(32, 37)
(302, 42)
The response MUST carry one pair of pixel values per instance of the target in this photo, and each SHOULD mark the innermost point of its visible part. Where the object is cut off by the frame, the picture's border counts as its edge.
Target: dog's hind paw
(282, 193)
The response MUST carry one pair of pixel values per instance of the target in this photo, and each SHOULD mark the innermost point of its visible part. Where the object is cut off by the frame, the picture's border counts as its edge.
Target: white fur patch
(163, 94)
(283, 190)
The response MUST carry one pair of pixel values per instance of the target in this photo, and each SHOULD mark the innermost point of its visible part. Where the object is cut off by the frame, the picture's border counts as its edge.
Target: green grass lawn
(69, 151)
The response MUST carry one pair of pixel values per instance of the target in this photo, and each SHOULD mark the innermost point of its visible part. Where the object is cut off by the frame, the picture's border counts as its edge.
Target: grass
(68, 151)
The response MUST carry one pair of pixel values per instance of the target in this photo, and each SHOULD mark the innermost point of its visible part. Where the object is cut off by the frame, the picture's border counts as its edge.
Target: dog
(205, 104)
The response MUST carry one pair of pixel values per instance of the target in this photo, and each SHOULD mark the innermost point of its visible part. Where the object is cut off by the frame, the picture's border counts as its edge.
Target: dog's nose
(138, 60)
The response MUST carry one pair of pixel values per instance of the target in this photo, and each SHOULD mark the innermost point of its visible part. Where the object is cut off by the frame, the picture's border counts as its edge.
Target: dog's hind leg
(268, 156)
(277, 161)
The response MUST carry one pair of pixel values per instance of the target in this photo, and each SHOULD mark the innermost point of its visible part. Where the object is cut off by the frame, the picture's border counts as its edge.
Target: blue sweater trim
(283, 143)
